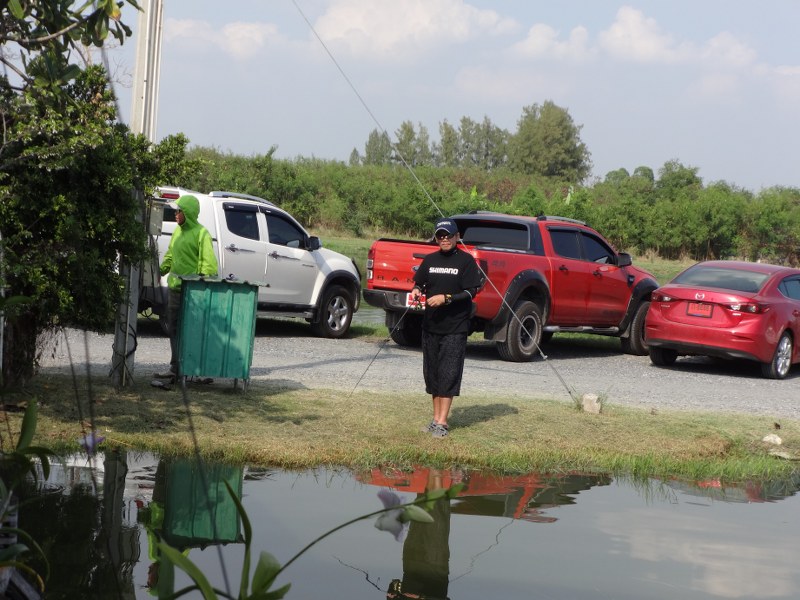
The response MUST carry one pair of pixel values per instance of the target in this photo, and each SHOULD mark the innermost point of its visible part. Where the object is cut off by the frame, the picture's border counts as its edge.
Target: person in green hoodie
(190, 253)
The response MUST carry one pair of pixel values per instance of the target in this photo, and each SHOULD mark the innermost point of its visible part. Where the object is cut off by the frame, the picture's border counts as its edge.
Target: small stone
(591, 403)
(772, 439)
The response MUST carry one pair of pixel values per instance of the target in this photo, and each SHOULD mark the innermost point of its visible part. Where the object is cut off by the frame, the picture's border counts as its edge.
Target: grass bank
(274, 426)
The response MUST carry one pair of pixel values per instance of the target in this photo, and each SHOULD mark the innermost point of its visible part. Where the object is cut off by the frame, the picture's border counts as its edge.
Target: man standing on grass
(190, 253)
(450, 279)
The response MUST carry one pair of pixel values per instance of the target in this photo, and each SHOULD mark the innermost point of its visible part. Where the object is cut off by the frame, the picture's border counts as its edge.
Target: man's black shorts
(443, 362)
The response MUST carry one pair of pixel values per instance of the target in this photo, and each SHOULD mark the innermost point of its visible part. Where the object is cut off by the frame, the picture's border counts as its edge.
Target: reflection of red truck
(544, 275)
(491, 494)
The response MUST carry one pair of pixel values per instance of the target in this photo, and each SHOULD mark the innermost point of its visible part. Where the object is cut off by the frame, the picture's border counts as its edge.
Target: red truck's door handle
(563, 268)
(597, 273)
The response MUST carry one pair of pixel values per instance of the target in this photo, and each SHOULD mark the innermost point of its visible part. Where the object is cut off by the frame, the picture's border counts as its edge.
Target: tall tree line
(546, 143)
(669, 212)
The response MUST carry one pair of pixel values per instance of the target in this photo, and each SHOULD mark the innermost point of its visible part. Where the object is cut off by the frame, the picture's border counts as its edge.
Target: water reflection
(190, 508)
(561, 536)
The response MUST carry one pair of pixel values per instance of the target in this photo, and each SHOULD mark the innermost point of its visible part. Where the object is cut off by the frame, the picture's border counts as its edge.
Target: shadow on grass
(467, 416)
(143, 408)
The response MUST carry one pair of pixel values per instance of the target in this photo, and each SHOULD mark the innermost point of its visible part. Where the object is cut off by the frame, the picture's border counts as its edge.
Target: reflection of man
(152, 517)
(426, 555)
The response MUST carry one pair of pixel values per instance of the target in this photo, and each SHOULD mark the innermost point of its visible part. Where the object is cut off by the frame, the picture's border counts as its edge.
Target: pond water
(549, 536)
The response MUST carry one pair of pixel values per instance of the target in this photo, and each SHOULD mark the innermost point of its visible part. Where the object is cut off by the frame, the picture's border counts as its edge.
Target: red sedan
(728, 309)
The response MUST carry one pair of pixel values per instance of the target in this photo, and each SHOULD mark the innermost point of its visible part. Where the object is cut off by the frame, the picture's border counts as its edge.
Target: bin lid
(216, 279)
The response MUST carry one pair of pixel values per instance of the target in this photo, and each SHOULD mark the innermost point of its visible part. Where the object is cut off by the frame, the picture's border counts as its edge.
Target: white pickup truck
(258, 242)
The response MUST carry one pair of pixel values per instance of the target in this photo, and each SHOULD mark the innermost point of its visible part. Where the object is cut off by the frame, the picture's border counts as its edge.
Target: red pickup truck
(543, 275)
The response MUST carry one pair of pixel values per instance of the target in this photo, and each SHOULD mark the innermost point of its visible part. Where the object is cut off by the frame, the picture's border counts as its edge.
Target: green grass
(276, 426)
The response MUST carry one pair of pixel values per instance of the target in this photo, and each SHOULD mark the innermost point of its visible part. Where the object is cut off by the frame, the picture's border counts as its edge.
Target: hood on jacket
(190, 206)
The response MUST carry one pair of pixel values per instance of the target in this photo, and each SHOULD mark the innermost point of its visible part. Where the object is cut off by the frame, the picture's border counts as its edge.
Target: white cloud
(188, 29)
(715, 86)
(239, 40)
(390, 29)
(244, 40)
(634, 37)
(509, 87)
(725, 49)
(542, 42)
(785, 80)
(763, 568)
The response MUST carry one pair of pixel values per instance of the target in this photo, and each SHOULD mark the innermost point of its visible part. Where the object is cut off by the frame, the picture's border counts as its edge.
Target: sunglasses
(445, 236)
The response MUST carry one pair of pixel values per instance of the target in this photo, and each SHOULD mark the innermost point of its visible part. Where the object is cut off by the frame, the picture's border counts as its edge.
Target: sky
(714, 84)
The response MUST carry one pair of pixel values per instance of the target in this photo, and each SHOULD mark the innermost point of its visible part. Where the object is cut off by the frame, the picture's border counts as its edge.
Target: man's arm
(207, 263)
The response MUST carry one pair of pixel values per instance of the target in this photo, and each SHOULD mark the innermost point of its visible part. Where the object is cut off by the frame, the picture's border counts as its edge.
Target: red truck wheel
(410, 334)
(635, 343)
(524, 333)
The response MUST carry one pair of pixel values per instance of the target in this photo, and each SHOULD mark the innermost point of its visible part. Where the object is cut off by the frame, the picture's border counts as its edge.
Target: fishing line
(410, 169)
(383, 344)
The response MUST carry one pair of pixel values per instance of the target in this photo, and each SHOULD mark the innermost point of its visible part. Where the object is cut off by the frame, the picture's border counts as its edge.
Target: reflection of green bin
(198, 509)
(217, 328)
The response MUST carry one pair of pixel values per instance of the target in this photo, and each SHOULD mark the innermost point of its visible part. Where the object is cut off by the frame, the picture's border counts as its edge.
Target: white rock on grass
(591, 403)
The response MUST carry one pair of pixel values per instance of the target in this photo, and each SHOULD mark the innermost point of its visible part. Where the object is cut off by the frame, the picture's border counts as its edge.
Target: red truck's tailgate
(391, 269)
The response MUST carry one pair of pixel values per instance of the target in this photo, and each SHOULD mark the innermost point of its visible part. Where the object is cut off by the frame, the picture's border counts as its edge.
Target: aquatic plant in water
(393, 517)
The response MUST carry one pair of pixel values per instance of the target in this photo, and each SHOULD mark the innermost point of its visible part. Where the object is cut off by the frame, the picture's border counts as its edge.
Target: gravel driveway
(305, 361)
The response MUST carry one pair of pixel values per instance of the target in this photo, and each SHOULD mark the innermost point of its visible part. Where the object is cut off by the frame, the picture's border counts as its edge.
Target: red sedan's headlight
(747, 307)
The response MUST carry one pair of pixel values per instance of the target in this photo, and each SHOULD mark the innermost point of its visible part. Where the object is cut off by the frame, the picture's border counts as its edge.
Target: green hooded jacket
(191, 251)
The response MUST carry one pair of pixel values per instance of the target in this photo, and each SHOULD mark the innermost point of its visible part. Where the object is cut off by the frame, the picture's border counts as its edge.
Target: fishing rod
(410, 169)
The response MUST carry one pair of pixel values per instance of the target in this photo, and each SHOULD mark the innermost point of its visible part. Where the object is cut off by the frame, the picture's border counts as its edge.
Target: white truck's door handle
(233, 248)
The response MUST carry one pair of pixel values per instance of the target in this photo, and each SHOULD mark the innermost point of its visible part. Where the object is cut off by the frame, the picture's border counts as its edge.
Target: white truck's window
(284, 233)
(242, 223)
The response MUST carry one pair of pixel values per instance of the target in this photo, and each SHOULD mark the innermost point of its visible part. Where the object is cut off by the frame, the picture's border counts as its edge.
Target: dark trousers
(443, 362)
(173, 316)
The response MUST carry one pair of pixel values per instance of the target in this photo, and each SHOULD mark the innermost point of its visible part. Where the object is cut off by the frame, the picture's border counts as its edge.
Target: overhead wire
(570, 391)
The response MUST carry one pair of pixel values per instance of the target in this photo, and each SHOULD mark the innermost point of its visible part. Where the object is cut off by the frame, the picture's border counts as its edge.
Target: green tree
(771, 227)
(492, 145)
(645, 173)
(355, 158)
(547, 142)
(378, 149)
(67, 211)
(447, 151)
(617, 177)
(67, 171)
(469, 135)
(423, 152)
(676, 179)
(405, 147)
(38, 38)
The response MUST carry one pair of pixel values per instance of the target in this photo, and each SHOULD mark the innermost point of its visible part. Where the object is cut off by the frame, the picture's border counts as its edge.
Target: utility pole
(144, 110)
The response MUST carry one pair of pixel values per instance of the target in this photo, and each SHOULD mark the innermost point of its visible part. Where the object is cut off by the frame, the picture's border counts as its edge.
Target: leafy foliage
(673, 215)
(68, 215)
(39, 36)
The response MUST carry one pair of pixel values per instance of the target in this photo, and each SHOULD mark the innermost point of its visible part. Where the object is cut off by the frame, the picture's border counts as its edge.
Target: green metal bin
(217, 328)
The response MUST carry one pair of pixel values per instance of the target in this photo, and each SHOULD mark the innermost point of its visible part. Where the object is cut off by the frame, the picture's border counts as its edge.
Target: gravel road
(303, 361)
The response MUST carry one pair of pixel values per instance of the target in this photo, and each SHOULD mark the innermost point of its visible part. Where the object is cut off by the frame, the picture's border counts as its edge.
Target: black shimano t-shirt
(448, 273)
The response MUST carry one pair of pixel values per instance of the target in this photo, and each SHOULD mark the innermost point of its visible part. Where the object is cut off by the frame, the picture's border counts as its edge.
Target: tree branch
(43, 40)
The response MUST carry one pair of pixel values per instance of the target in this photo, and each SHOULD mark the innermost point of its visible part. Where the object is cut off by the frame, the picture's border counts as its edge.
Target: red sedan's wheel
(663, 357)
(781, 362)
